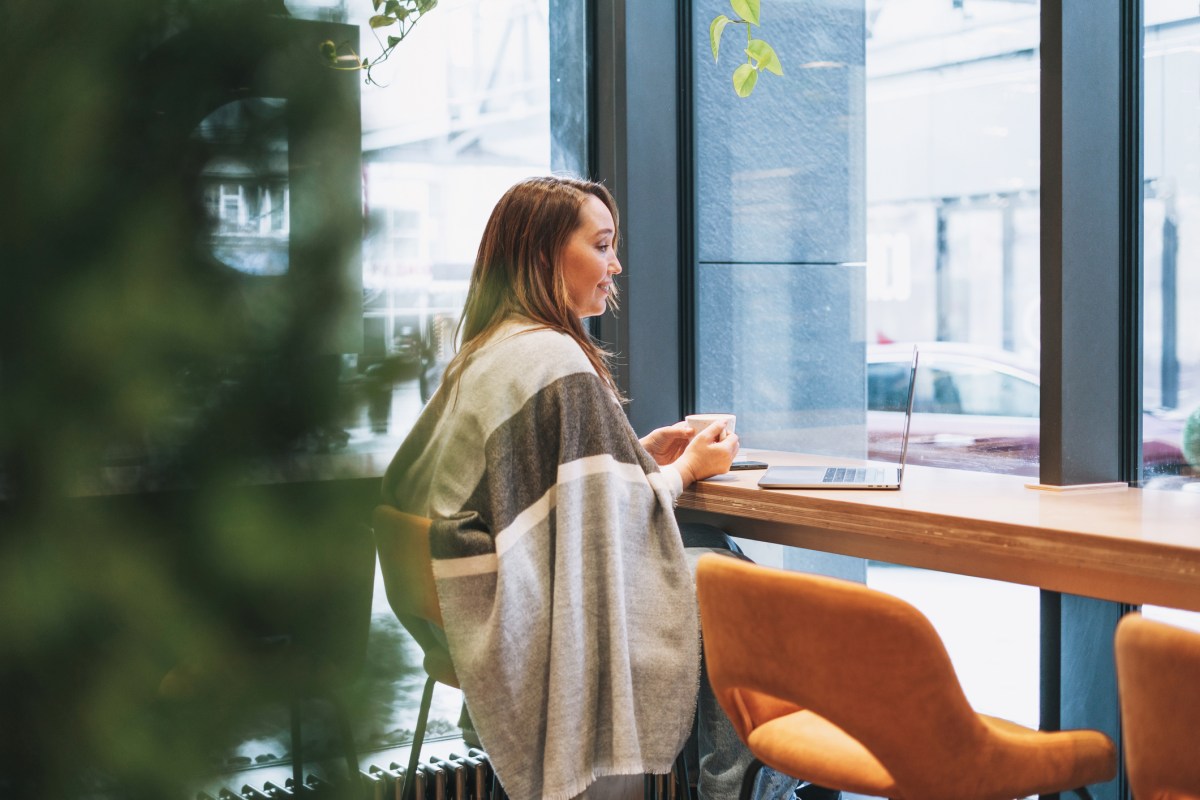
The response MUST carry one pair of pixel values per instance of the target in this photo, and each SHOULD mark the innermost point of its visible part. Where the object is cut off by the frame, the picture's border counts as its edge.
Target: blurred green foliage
(1191, 438)
(124, 352)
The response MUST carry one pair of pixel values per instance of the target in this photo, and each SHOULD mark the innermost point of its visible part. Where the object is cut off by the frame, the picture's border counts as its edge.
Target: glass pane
(952, 229)
(953, 266)
(1171, 246)
(779, 210)
(438, 152)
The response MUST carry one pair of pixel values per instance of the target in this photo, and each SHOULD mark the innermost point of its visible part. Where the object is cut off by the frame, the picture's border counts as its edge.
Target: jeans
(722, 758)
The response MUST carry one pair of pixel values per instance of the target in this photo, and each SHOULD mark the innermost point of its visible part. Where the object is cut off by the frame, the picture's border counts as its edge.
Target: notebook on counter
(865, 477)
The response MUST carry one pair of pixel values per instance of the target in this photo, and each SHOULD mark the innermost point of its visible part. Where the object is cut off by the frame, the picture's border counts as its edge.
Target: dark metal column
(1091, 318)
(1091, 250)
(637, 107)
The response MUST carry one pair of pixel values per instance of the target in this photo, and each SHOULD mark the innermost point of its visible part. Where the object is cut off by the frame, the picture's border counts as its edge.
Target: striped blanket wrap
(569, 609)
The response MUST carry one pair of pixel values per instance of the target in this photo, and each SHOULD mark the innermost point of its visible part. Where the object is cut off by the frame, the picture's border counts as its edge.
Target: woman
(567, 598)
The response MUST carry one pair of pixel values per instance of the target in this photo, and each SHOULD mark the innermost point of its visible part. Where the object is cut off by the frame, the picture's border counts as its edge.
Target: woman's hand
(665, 445)
(709, 453)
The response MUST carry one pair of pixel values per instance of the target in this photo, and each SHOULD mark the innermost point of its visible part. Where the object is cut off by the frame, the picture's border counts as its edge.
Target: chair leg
(686, 791)
(749, 778)
(414, 755)
(680, 787)
(350, 753)
(1083, 793)
(297, 746)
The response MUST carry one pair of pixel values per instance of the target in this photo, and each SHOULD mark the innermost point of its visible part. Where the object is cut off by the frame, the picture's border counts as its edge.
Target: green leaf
(376, 4)
(714, 33)
(744, 78)
(393, 6)
(765, 55)
(393, 41)
(425, 6)
(746, 9)
(381, 21)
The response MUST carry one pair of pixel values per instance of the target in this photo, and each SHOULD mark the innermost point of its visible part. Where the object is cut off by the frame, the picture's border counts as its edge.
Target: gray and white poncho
(569, 609)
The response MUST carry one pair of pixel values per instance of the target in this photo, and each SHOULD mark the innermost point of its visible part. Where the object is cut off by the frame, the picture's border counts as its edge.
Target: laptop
(864, 477)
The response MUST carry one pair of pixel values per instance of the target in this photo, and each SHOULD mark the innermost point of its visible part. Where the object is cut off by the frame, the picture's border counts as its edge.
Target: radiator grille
(468, 776)
(454, 777)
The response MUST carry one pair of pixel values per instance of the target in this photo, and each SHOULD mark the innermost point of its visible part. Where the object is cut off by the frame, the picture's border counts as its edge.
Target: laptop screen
(908, 410)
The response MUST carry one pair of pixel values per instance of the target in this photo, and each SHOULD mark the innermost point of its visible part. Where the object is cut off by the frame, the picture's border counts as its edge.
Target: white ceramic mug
(699, 422)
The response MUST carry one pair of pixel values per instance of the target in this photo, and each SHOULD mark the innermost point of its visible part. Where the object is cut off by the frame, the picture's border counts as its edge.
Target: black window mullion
(1132, 205)
(1089, 352)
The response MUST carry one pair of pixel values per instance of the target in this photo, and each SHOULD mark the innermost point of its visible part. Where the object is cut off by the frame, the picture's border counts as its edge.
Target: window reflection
(245, 184)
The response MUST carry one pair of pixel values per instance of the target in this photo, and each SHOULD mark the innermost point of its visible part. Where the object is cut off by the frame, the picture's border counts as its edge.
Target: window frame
(1091, 271)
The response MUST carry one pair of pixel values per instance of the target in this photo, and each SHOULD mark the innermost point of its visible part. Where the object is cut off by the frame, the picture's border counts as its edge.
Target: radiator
(455, 777)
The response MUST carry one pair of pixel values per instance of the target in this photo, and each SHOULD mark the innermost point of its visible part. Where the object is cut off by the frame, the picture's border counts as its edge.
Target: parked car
(976, 407)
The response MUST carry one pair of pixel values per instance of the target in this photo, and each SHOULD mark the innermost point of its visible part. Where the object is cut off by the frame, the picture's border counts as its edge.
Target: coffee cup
(699, 422)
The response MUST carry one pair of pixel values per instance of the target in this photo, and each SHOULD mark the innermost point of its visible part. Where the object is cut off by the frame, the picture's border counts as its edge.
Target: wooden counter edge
(1106, 567)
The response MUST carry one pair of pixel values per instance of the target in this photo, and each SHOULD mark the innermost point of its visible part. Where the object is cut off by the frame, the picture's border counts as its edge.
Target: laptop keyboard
(852, 475)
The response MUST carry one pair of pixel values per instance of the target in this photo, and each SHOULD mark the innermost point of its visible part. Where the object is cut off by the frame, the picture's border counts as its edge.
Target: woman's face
(589, 260)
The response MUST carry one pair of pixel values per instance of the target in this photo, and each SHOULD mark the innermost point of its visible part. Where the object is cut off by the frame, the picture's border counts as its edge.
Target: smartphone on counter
(736, 465)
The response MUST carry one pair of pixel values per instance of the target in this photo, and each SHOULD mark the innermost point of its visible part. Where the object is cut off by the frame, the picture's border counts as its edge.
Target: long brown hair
(518, 268)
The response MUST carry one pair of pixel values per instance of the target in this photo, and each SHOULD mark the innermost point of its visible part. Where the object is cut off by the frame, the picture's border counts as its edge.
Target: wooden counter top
(1123, 544)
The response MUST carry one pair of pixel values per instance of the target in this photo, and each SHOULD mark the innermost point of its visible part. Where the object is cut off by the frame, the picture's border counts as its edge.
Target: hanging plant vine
(397, 17)
(759, 55)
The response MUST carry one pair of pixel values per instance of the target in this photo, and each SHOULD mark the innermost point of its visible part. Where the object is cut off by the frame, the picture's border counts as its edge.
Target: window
(953, 266)
(779, 276)
(437, 153)
(1171, 256)
(953, 226)
(1171, 246)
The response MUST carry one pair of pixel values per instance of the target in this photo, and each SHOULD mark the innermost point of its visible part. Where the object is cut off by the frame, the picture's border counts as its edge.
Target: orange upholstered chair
(406, 563)
(1158, 675)
(850, 688)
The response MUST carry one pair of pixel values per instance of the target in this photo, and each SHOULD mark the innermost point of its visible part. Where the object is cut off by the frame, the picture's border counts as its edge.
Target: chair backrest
(866, 661)
(406, 563)
(1158, 677)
